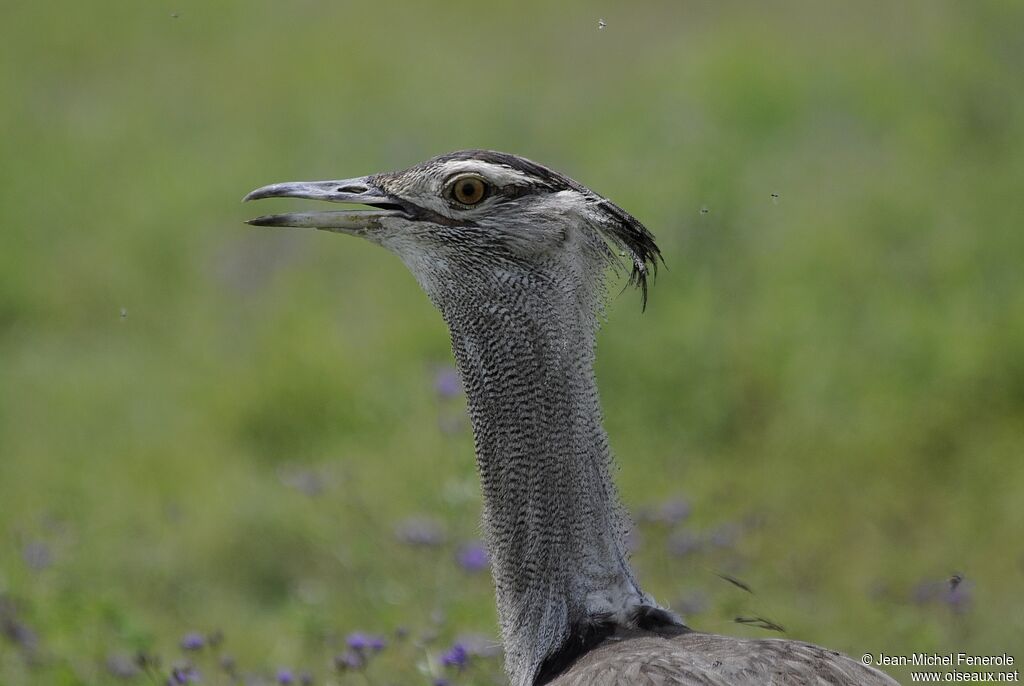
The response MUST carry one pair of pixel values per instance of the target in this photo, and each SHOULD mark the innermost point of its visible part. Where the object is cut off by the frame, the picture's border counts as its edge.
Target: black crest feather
(632, 236)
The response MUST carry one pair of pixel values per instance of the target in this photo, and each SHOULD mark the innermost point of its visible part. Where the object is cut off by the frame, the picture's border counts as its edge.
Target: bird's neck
(552, 519)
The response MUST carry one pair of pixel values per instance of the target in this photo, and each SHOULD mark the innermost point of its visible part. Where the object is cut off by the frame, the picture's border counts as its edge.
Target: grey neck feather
(524, 342)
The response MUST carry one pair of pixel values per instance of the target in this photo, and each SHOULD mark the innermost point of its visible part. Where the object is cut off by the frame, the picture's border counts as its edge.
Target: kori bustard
(515, 255)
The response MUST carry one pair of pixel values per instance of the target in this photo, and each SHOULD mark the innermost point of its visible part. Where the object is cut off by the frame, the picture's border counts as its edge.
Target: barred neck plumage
(555, 530)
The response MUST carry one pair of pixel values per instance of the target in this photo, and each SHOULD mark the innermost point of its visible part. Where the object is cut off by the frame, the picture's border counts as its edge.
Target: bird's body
(514, 256)
(694, 659)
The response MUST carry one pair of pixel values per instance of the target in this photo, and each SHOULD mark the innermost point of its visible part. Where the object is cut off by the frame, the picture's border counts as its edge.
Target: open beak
(359, 191)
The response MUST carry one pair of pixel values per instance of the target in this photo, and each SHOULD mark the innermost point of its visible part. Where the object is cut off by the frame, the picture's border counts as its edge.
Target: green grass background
(842, 366)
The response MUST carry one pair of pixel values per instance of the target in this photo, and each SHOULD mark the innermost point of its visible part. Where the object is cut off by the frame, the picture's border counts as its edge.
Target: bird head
(477, 215)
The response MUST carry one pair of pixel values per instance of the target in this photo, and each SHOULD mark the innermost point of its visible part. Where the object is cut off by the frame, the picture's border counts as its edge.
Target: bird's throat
(552, 519)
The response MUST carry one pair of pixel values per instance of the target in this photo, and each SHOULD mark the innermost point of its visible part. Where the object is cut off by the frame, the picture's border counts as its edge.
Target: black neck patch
(583, 638)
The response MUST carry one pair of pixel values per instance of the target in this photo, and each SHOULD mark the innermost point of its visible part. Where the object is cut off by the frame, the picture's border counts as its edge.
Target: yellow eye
(469, 190)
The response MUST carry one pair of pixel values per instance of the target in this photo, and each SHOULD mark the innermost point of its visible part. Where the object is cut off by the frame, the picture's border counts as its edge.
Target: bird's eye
(469, 190)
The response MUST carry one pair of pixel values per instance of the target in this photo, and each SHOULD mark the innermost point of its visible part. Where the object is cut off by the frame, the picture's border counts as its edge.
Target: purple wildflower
(441, 681)
(305, 481)
(285, 676)
(674, 510)
(446, 383)
(193, 641)
(122, 666)
(37, 555)
(960, 596)
(724, 535)
(957, 593)
(420, 531)
(358, 641)
(350, 659)
(15, 630)
(184, 674)
(456, 656)
(472, 557)
(683, 543)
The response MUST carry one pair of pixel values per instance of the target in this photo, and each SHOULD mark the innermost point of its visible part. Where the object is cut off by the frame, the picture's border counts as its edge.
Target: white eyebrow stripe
(496, 173)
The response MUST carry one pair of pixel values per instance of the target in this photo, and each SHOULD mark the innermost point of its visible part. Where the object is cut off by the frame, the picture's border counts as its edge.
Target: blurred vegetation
(206, 426)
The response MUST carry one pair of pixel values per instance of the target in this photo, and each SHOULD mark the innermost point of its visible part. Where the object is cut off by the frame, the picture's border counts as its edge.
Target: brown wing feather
(707, 660)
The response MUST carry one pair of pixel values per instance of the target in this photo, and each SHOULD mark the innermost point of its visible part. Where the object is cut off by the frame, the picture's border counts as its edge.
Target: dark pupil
(468, 190)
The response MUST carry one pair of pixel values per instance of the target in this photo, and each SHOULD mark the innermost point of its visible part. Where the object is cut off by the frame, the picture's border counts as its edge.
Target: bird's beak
(360, 191)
